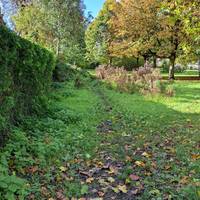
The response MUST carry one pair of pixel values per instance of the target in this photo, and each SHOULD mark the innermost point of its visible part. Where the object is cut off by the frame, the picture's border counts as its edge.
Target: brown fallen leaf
(101, 194)
(60, 195)
(44, 191)
(195, 156)
(167, 167)
(113, 170)
(134, 177)
(106, 166)
(128, 159)
(185, 180)
(134, 192)
(32, 169)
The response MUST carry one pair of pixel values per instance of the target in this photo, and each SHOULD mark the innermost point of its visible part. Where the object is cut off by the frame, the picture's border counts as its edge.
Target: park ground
(97, 143)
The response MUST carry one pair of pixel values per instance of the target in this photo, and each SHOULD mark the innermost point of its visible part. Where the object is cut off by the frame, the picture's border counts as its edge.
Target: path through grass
(96, 143)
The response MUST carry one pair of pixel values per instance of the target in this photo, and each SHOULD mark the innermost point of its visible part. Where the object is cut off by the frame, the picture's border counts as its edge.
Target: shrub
(26, 72)
(63, 72)
(145, 79)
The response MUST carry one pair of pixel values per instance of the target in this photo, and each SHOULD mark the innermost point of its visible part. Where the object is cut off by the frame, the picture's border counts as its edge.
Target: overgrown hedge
(25, 76)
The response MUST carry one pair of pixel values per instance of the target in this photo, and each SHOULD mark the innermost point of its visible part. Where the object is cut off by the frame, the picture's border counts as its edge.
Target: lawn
(190, 73)
(98, 143)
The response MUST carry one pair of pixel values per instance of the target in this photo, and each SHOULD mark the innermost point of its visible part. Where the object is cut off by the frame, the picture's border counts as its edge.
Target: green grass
(189, 73)
(91, 131)
(169, 128)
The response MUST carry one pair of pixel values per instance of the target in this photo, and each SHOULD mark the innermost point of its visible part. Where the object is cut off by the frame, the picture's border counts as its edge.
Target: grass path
(148, 150)
(96, 143)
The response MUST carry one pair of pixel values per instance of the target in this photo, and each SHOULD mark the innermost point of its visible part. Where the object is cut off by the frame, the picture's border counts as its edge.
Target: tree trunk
(145, 60)
(137, 62)
(110, 62)
(171, 68)
(154, 61)
(1, 18)
(199, 67)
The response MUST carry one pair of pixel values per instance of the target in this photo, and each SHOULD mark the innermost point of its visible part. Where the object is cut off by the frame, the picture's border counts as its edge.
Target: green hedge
(25, 77)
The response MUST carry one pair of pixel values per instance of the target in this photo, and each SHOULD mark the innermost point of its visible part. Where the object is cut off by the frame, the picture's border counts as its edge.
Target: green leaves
(10, 185)
(84, 189)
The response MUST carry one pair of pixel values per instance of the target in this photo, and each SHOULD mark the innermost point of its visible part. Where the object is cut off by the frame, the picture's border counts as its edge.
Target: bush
(128, 63)
(26, 72)
(63, 72)
(145, 80)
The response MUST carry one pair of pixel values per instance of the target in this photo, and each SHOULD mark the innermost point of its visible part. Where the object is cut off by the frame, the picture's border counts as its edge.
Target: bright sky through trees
(94, 6)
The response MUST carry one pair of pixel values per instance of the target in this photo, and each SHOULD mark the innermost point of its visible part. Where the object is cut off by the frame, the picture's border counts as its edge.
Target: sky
(94, 6)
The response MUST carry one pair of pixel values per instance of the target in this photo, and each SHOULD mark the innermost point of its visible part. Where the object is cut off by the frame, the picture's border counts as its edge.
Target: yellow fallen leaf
(145, 154)
(140, 163)
(122, 188)
(89, 180)
(63, 169)
(195, 156)
(111, 179)
(116, 190)
(103, 182)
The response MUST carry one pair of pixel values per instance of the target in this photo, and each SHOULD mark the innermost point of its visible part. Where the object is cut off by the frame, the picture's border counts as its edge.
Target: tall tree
(149, 28)
(55, 24)
(98, 36)
(135, 26)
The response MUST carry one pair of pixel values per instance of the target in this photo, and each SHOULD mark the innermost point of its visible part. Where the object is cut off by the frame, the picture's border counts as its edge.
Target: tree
(55, 24)
(98, 36)
(134, 25)
(150, 28)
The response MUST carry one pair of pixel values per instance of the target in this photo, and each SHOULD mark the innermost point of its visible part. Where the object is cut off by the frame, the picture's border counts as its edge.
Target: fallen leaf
(184, 180)
(63, 169)
(136, 191)
(140, 163)
(44, 191)
(122, 188)
(103, 182)
(128, 159)
(60, 196)
(145, 154)
(113, 170)
(116, 190)
(101, 194)
(111, 179)
(195, 156)
(167, 167)
(134, 177)
(33, 169)
(89, 180)
(127, 181)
